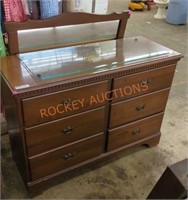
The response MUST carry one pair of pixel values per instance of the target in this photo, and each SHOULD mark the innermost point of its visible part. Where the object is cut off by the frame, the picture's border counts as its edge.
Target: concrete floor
(133, 173)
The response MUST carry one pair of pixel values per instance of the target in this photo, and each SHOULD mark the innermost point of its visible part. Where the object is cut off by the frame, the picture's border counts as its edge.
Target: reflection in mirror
(44, 38)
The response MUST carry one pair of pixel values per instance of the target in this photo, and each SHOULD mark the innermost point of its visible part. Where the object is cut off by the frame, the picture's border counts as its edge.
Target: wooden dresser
(88, 102)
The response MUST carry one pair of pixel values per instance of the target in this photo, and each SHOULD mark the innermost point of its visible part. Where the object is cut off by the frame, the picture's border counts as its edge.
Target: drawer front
(61, 132)
(46, 108)
(142, 83)
(66, 157)
(137, 108)
(135, 131)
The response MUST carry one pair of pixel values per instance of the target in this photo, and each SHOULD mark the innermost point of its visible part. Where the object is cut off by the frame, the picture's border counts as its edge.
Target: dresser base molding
(38, 186)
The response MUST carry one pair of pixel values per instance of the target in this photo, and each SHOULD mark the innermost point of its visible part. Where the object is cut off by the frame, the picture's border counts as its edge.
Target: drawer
(137, 108)
(65, 157)
(134, 85)
(53, 106)
(134, 131)
(61, 132)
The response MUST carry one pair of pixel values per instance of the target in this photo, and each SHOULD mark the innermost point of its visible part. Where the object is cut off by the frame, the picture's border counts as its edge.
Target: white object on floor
(161, 11)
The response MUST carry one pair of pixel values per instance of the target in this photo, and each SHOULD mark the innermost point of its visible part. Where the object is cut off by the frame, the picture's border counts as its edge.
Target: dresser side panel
(12, 108)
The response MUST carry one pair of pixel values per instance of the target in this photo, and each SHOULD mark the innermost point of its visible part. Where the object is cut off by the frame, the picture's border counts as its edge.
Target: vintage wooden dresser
(72, 106)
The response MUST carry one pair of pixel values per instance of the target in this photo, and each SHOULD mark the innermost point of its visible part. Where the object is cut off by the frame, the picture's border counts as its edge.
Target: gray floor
(132, 174)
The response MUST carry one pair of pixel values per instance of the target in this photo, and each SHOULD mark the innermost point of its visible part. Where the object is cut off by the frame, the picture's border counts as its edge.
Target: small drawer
(53, 106)
(61, 132)
(135, 85)
(137, 108)
(135, 131)
(65, 157)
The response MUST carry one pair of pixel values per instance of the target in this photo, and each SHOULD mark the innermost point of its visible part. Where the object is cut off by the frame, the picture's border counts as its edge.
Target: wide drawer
(134, 85)
(61, 132)
(55, 161)
(134, 131)
(137, 108)
(49, 107)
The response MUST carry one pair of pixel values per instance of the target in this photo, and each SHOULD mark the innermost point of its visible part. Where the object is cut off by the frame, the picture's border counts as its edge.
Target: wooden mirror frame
(64, 19)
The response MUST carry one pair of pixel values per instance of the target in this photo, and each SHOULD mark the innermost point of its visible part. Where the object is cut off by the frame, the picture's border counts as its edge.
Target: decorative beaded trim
(98, 78)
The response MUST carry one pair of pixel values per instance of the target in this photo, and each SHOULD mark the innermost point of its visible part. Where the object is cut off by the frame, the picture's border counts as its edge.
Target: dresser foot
(153, 141)
(34, 191)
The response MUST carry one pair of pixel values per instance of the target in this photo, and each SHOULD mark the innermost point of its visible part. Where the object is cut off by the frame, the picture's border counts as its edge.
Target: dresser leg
(35, 190)
(153, 141)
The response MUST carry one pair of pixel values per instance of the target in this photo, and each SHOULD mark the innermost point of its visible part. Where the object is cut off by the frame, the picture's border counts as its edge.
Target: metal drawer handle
(68, 130)
(146, 81)
(69, 156)
(68, 101)
(136, 131)
(140, 107)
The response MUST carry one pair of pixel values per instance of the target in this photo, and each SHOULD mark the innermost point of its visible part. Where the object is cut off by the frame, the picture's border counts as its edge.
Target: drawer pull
(136, 131)
(140, 107)
(68, 130)
(68, 101)
(146, 81)
(69, 156)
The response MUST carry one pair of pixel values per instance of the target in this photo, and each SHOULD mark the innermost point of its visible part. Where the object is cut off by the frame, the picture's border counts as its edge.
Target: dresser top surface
(41, 68)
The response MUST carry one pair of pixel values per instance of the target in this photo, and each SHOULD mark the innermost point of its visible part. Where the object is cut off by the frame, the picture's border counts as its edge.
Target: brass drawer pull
(146, 81)
(69, 156)
(68, 101)
(136, 131)
(68, 130)
(140, 107)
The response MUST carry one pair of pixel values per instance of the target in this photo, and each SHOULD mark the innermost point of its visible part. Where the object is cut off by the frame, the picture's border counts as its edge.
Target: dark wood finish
(135, 131)
(36, 186)
(41, 166)
(48, 163)
(173, 183)
(13, 114)
(64, 131)
(64, 19)
(131, 110)
(142, 83)
(53, 106)
(19, 76)
(153, 140)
